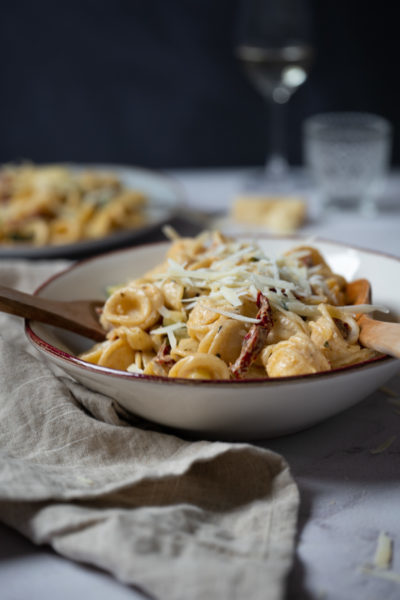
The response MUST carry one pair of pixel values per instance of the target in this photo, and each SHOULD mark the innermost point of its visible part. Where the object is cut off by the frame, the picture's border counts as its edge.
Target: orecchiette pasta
(224, 339)
(117, 354)
(137, 338)
(217, 308)
(298, 355)
(54, 205)
(200, 366)
(133, 306)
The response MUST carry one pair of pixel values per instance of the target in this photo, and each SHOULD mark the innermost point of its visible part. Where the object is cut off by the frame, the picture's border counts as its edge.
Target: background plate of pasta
(49, 211)
(223, 337)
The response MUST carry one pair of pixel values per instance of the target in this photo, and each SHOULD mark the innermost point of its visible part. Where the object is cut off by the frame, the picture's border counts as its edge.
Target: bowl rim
(48, 348)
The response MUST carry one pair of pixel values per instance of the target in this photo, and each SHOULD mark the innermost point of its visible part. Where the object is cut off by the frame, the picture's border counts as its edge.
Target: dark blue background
(155, 82)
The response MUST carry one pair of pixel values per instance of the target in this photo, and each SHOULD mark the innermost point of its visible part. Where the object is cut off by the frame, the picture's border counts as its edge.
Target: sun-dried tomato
(255, 340)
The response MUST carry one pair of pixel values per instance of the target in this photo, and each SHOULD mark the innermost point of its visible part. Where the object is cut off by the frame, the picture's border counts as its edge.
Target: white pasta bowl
(249, 409)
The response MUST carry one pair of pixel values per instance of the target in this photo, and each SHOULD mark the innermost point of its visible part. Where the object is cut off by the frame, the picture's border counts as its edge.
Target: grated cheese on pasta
(232, 315)
(169, 331)
(279, 280)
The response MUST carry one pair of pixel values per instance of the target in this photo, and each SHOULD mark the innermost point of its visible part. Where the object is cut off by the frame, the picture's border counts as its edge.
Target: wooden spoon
(79, 316)
(376, 335)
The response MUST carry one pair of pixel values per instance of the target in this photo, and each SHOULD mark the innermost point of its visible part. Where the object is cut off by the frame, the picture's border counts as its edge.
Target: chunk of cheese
(279, 214)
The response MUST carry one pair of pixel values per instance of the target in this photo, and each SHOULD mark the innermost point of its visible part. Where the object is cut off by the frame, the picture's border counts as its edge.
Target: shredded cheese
(169, 331)
(362, 308)
(85, 480)
(167, 328)
(244, 266)
(382, 560)
(164, 312)
(230, 295)
(384, 446)
(383, 553)
(170, 233)
(389, 392)
(381, 573)
(133, 368)
(232, 315)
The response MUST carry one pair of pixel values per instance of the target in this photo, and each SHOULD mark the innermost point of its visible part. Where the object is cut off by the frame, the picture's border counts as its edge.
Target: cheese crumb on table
(389, 392)
(382, 560)
(383, 553)
(384, 446)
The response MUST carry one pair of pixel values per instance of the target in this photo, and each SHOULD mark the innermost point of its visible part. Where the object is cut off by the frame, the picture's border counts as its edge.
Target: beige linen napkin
(180, 519)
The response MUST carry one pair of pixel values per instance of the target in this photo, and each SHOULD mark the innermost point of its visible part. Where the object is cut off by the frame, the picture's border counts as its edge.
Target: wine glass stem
(276, 164)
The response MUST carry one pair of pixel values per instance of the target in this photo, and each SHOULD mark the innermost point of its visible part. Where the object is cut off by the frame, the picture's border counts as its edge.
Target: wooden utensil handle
(381, 336)
(18, 303)
(77, 315)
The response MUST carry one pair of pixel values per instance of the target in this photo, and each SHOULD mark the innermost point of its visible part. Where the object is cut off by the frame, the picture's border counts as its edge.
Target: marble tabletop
(349, 492)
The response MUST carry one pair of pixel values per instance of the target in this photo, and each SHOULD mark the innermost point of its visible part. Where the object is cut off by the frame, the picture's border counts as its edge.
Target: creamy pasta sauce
(218, 308)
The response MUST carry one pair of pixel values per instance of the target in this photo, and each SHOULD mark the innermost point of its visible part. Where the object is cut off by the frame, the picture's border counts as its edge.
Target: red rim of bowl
(48, 348)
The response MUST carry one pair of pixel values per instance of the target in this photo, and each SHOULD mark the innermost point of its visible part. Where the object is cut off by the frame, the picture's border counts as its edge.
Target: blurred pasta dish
(217, 308)
(53, 205)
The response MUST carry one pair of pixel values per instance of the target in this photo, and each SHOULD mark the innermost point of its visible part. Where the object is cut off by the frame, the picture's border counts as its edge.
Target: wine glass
(273, 45)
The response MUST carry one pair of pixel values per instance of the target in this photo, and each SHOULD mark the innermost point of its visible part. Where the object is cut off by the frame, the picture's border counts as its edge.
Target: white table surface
(348, 495)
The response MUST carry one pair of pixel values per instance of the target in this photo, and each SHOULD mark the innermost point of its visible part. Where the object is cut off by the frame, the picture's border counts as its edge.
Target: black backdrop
(155, 82)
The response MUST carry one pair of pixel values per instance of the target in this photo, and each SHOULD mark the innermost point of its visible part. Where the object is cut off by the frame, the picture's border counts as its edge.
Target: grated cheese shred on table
(381, 566)
(383, 553)
(384, 446)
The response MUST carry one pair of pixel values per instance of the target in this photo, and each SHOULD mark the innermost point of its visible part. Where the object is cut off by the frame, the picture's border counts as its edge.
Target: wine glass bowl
(276, 72)
(273, 44)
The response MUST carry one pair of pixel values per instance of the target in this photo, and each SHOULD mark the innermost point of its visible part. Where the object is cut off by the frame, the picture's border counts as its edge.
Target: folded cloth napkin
(179, 519)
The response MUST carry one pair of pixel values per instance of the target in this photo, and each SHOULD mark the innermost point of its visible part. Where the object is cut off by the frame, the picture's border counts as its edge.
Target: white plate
(225, 409)
(165, 198)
